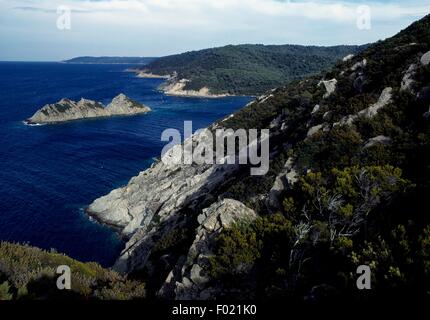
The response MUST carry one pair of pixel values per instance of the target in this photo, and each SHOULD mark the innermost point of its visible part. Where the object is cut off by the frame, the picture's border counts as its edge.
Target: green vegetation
(324, 220)
(30, 273)
(248, 69)
(353, 203)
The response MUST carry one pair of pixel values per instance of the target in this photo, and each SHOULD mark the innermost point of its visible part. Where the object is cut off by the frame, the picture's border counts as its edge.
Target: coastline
(174, 87)
(177, 88)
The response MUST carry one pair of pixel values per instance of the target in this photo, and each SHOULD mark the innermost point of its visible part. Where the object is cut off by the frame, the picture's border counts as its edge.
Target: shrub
(31, 272)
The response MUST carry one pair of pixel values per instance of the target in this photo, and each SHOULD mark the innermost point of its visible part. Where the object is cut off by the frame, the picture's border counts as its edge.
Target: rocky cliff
(155, 202)
(68, 110)
(339, 143)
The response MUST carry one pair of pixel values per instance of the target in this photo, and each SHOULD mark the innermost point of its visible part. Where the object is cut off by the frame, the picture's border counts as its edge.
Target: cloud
(156, 10)
(158, 27)
(53, 10)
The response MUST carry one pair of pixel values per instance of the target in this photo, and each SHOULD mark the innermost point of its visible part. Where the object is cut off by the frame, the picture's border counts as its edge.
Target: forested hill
(111, 60)
(248, 69)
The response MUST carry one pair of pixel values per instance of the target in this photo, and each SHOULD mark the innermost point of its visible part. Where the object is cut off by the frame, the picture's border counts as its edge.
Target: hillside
(247, 69)
(111, 60)
(34, 277)
(348, 185)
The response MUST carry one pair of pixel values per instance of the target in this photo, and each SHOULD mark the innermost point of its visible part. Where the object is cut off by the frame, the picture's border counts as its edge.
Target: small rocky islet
(69, 110)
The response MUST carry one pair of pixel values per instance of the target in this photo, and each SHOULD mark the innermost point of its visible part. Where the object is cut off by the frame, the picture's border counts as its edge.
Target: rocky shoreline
(161, 201)
(69, 110)
(176, 87)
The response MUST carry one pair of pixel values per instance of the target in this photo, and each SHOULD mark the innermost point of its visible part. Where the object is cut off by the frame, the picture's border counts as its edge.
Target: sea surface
(50, 173)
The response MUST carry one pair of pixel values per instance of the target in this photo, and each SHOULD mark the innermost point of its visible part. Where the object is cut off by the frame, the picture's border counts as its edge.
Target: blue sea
(49, 174)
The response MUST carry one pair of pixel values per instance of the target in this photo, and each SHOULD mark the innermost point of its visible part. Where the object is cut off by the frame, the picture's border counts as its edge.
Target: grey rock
(327, 115)
(189, 280)
(150, 205)
(314, 130)
(425, 59)
(369, 112)
(68, 110)
(424, 95)
(383, 140)
(407, 80)
(284, 180)
(384, 99)
(427, 114)
(330, 86)
(359, 82)
(359, 65)
(347, 120)
(315, 109)
(276, 123)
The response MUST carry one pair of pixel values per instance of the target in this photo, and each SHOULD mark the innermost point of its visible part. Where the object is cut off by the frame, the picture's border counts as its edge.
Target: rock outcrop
(151, 203)
(359, 65)
(175, 87)
(284, 180)
(189, 280)
(426, 114)
(381, 140)
(384, 99)
(425, 59)
(407, 80)
(329, 85)
(348, 57)
(314, 130)
(68, 110)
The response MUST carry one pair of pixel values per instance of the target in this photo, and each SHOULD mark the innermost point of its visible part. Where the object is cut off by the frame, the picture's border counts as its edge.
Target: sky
(32, 30)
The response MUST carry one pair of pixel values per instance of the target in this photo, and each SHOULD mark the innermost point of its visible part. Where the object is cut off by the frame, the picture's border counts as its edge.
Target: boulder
(384, 99)
(383, 140)
(316, 109)
(369, 112)
(314, 130)
(151, 204)
(425, 59)
(284, 180)
(68, 110)
(189, 279)
(407, 80)
(330, 86)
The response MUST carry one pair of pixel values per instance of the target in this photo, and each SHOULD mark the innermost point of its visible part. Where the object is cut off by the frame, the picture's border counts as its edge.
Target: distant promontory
(110, 60)
(241, 69)
(68, 110)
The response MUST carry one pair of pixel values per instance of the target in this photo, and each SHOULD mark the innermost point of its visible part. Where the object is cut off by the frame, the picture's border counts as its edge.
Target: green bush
(31, 272)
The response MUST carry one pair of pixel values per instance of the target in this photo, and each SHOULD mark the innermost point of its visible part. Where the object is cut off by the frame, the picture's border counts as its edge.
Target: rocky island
(68, 110)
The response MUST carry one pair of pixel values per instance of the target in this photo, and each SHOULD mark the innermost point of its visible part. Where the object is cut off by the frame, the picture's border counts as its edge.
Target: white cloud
(181, 11)
(158, 27)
